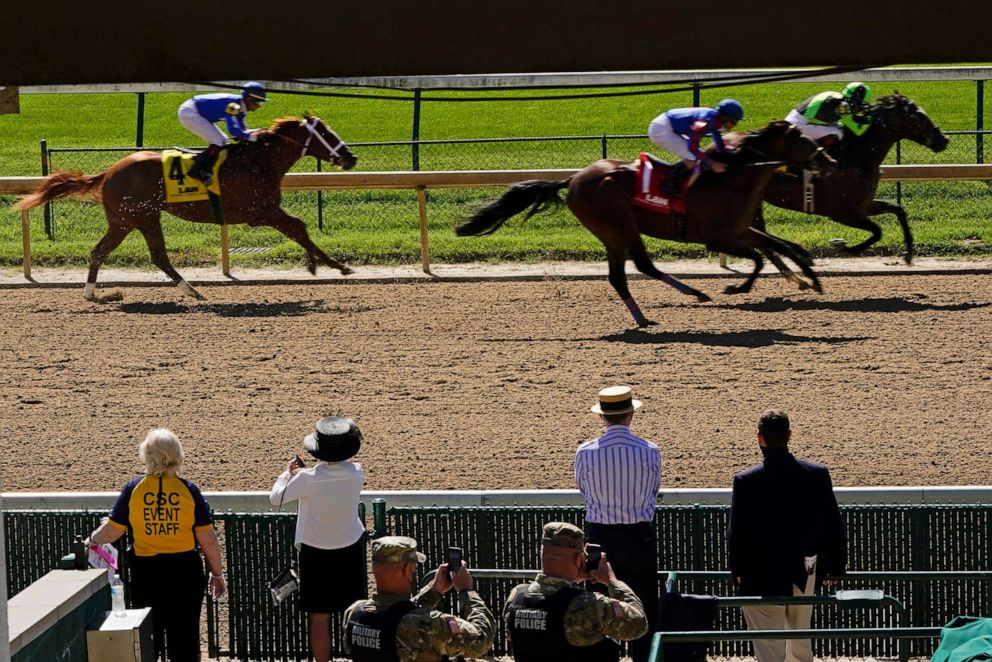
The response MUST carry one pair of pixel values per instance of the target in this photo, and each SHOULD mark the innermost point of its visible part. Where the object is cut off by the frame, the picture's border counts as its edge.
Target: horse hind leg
(294, 229)
(773, 244)
(735, 247)
(151, 229)
(617, 258)
(639, 254)
(116, 233)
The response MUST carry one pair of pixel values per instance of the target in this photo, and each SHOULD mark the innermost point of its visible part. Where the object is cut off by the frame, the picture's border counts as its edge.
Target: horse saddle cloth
(179, 186)
(651, 172)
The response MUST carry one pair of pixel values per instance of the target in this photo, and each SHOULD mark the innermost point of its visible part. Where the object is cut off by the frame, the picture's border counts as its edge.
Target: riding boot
(671, 183)
(203, 164)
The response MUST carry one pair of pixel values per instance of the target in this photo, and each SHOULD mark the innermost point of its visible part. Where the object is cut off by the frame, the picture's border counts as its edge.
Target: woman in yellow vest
(168, 519)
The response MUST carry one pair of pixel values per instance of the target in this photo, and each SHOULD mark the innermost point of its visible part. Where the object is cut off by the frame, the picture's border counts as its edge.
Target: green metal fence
(693, 538)
(918, 554)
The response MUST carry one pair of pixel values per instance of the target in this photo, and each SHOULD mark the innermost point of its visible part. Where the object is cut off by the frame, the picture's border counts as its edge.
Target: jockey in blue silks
(679, 131)
(200, 114)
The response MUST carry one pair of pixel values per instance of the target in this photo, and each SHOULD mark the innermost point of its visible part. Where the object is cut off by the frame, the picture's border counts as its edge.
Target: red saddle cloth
(648, 194)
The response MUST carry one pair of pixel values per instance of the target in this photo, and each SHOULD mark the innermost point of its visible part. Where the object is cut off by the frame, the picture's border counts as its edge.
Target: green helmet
(858, 93)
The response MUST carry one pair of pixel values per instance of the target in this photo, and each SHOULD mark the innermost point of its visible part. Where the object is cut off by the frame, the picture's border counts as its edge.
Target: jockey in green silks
(824, 116)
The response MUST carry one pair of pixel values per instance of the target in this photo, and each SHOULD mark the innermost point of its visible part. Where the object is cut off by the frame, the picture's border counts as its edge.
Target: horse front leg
(861, 223)
(294, 229)
(882, 207)
(784, 269)
(737, 248)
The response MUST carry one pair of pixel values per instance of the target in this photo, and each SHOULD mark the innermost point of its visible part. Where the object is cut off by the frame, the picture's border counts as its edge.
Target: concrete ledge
(256, 502)
(41, 605)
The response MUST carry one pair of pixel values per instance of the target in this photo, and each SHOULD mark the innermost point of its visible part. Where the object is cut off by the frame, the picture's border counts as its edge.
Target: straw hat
(616, 400)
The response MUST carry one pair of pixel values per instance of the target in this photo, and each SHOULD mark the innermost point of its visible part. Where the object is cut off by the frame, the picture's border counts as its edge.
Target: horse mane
(283, 124)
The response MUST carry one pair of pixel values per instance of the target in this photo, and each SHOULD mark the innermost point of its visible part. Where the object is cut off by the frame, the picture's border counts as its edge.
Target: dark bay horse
(133, 193)
(720, 210)
(848, 195)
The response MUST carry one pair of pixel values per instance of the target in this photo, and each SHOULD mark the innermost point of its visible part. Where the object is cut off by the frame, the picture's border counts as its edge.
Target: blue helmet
(731, 108)
(253, 90)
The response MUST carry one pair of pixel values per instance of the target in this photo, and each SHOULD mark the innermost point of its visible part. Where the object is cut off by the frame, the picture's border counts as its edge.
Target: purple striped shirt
(619, 475)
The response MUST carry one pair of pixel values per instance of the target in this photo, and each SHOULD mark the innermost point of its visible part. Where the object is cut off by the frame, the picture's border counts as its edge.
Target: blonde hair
(161, 452)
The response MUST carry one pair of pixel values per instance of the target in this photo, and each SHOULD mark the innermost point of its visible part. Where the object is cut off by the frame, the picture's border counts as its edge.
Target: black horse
(848, 195)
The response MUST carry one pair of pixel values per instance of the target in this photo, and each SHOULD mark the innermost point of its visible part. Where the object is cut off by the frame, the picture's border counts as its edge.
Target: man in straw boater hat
(554, 618)
(619, 474)
(393, 626)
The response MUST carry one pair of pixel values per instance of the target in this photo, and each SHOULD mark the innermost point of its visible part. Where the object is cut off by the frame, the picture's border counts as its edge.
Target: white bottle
(117, 597)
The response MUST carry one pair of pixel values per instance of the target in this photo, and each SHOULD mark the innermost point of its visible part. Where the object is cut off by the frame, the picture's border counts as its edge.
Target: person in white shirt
(619, 475)
(329, 535)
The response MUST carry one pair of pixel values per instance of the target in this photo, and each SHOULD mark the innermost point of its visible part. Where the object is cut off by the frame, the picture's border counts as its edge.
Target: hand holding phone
(454, 557)
(594, 553)
(299, 461)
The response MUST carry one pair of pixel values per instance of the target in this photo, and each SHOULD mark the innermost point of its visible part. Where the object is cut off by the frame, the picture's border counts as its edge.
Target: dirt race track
(487, 385)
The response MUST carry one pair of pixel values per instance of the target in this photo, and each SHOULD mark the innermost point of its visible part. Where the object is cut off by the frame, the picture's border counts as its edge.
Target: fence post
(425, 256)
(980, 121)
(379, 525)
(49, 227)
(25, 247)
(695, 94)
(139, 138)
(225, 251)
(604, 146)
(415, 138)
(898, 161)
(320, 203)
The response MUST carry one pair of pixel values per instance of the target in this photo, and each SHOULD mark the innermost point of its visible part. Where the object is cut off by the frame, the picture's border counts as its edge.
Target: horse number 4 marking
(176, 171)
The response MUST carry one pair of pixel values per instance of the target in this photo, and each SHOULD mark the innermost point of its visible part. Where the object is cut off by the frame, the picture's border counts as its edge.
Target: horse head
(315, 139)
(781, 141)
(905, 119)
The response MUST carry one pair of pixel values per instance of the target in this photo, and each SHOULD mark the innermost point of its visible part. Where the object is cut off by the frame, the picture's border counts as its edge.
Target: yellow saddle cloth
(179, 186)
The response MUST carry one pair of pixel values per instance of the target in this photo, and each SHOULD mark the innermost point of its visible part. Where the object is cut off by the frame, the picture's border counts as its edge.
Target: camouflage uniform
(424, 633)
(590, 617)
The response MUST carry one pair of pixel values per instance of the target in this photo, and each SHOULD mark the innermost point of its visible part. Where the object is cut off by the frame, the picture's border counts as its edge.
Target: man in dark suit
(786, 534)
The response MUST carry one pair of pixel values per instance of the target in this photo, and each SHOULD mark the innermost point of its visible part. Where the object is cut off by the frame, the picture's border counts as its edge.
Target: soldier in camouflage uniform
(553, 618)
(392, 626)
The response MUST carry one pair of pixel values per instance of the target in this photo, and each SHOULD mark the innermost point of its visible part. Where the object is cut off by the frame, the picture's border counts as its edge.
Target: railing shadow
(883, 305)
(282, 309)
(752, 338)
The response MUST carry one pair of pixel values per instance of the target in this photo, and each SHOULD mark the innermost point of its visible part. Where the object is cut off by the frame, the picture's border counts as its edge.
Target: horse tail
(537, 194)
(63, 183)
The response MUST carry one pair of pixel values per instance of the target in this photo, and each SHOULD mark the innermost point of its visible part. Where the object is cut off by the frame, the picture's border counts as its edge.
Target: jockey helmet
(253, 90)
(731, 108)
(857, 93)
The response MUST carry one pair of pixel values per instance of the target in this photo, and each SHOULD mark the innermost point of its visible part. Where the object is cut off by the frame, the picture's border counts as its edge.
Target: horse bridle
(311, 125)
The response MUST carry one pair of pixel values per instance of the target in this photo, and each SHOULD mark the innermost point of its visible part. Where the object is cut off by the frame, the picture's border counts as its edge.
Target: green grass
(381, 226)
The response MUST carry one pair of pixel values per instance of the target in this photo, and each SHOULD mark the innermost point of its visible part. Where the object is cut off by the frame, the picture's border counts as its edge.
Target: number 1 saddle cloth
(179, 186)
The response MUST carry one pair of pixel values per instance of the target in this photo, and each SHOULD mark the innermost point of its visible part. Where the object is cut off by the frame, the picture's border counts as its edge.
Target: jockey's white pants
(190, 118)
(812, 131)
(661, 134)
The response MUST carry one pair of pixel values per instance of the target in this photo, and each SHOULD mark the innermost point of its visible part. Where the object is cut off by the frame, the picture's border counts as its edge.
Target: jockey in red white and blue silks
(200, 114)
(680, 130)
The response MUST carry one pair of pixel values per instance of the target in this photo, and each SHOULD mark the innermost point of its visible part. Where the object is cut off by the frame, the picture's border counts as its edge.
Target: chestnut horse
(848, 195)
(133, 194)
(720, 209)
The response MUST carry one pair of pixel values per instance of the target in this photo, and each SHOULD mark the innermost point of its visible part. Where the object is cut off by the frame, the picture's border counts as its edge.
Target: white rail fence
(420, 181)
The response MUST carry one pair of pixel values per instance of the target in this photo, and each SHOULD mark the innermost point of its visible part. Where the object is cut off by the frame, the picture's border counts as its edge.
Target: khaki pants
(782, 617)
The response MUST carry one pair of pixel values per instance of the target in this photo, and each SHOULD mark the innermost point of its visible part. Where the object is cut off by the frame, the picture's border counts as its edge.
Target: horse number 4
(176, 171)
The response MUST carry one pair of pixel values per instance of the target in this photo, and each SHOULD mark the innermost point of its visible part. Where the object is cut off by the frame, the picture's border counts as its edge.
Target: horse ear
(307, 114)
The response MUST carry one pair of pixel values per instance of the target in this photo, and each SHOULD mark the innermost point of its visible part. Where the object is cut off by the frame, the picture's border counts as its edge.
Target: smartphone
(454, 557)
(593, 555)
(299, 461)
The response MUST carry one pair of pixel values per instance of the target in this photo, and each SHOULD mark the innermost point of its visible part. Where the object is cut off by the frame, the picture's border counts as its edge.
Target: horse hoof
(818, 288)
(803, 285)
(702, 298)
(646, 322)
(345, 271)
(839, 243)
(734, 289)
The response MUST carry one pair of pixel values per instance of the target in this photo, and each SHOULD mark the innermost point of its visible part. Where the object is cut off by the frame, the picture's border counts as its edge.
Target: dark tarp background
(120, 41)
